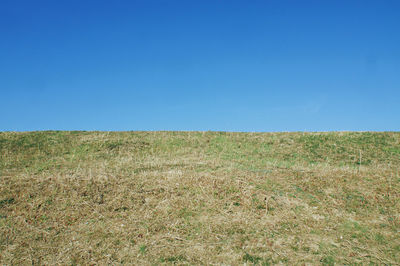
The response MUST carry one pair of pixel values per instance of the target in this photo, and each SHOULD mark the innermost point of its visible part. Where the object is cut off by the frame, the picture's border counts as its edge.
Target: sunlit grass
(199, 198)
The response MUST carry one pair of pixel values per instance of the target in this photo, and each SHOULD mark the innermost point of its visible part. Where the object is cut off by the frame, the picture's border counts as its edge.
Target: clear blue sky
(200, 65)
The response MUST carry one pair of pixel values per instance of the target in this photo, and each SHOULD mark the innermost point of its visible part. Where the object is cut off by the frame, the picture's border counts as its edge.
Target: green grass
(199, 198)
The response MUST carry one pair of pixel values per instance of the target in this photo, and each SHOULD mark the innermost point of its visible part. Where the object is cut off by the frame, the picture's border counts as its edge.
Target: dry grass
(199, 198)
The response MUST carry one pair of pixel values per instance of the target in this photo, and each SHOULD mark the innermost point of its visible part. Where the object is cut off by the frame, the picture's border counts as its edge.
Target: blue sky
(200, 65)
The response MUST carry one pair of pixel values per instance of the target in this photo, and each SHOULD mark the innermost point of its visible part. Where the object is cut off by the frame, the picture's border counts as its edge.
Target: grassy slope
(199, 198)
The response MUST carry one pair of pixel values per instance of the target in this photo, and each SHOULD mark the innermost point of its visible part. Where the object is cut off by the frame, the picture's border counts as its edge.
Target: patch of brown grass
(199, 198)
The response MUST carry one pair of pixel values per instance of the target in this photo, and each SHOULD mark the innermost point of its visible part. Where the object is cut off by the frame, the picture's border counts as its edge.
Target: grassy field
(199, 198)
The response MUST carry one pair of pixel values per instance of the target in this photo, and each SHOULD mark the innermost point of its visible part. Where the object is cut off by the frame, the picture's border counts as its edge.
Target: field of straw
(150, 198)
